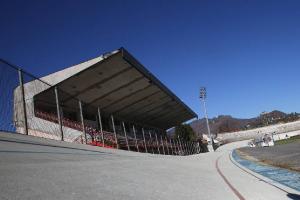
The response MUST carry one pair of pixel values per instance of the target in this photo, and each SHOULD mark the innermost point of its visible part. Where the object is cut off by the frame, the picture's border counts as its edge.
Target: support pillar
(151, 142)
(168, 149)
(180, 145)
(136, 143)
(194, 148)
(58, 114)
(157, 144)
(21, 83)
(82, 122)
(145, 145)
(184, 146)
(126, 139)
(187, 144)
(171, 146)
(163, 147)
(100, 126)
(114, 130)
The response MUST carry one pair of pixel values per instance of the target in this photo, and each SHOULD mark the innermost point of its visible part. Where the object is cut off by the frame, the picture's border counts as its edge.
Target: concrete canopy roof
(121, 86)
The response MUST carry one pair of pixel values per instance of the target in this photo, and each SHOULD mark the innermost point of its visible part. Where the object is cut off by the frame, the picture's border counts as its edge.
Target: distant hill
(221, 124)
(227, 123)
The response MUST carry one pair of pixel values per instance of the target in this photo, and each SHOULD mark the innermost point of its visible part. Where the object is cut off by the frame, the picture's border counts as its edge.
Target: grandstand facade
(111, 100)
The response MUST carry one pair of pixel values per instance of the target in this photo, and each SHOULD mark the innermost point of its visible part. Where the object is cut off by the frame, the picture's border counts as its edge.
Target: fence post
(21, 82)
(136, 143)
(126, 139)
(82, 122)
(145, 145)
(114, 129)
(58, 114)
(100, 125)
(162, 142)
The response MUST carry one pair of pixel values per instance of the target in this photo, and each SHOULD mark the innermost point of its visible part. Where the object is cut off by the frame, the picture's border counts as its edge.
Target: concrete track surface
(36, 168)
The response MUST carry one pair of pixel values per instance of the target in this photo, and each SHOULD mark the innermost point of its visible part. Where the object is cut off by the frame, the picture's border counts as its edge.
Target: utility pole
(203, 98)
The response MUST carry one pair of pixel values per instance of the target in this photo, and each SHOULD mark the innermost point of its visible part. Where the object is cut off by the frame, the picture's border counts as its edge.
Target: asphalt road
(36, 168)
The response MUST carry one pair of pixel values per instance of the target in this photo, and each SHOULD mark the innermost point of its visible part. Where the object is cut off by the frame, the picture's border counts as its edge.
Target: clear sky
(246, 52)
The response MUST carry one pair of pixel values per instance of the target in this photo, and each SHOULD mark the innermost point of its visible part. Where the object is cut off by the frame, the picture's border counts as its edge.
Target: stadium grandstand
(110, 101)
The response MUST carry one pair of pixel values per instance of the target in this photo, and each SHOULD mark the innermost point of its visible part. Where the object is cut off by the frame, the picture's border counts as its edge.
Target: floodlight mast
(203, 98)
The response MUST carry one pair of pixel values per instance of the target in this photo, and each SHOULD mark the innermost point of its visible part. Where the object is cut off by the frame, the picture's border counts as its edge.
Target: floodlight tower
(203, 98)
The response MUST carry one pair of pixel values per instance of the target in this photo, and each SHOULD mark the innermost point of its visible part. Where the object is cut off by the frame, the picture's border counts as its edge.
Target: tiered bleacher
(109, 140)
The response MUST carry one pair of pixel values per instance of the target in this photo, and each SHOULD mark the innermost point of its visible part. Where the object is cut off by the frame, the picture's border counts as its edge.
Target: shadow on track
(293, 196)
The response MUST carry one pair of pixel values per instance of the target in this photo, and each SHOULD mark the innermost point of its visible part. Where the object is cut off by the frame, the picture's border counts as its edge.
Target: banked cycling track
(36, 168)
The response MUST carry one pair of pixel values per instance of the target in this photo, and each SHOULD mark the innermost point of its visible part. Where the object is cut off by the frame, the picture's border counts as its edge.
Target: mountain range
(227, 123)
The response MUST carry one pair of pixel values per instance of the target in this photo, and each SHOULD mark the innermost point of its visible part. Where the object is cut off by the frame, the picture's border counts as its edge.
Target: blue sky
(247, 53)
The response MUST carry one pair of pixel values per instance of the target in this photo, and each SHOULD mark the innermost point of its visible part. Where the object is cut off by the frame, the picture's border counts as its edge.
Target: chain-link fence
(29, 105)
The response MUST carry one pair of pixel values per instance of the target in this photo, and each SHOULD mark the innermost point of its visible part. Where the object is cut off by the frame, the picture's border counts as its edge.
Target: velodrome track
(36, 168)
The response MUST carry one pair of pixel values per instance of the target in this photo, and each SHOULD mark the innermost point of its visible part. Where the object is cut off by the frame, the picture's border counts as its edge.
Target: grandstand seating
(109, 138)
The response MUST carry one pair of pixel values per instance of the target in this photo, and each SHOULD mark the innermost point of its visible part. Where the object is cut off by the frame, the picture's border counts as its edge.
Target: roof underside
(121, 86)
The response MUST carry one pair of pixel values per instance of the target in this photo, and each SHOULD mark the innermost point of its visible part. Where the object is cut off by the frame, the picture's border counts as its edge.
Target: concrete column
(58, 110)
(21, 83)
(100, 126)
(82, 122)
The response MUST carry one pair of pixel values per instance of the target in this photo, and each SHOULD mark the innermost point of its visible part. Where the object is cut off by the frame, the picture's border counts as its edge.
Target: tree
(185, 132)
